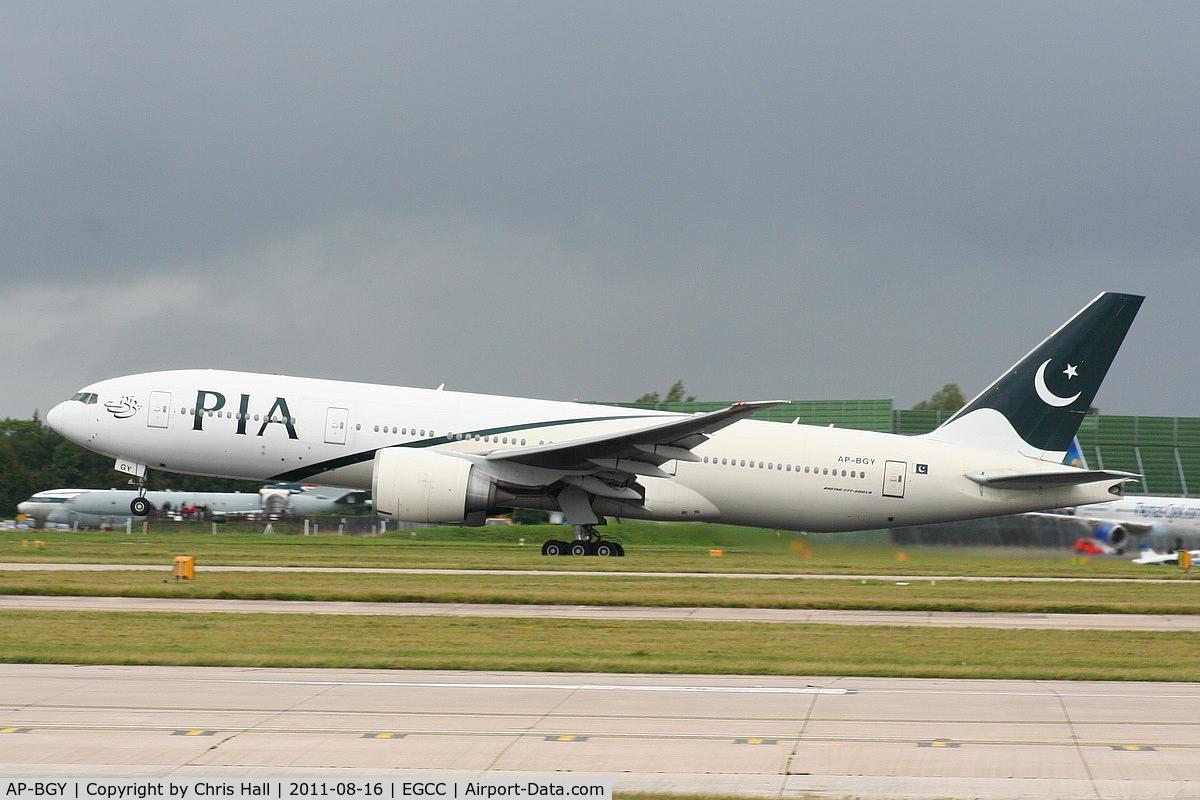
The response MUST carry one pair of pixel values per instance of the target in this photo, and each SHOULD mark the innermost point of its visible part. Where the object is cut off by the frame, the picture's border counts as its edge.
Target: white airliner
(1111, 525)
(44, 504)
(448, 457)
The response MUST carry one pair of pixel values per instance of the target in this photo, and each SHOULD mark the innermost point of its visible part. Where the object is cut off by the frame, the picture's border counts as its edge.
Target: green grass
(606, 646)
(651, 548)
(317, 641)
(932, 594)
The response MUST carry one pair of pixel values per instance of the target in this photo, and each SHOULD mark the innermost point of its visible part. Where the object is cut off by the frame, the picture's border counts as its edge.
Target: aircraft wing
(638, 451)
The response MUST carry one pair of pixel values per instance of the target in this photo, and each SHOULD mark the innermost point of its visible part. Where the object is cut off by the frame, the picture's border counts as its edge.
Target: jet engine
(429, 486)
(1111, 534)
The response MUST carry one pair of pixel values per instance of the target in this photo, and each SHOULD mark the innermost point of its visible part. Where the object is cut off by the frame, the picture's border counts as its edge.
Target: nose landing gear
(139, 506)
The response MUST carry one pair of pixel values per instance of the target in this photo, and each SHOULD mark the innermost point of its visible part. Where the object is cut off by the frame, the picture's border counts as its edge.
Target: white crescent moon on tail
(1043, 391)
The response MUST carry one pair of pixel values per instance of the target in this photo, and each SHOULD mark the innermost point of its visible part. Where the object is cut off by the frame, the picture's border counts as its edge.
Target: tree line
(33, 458)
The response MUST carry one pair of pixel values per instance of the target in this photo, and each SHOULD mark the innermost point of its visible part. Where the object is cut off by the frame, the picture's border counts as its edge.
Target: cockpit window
(87, 398)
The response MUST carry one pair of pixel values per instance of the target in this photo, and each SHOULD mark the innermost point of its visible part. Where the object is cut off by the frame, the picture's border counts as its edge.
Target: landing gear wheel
(139, 506)
(579, 548)
(554, 548)
(606, 548)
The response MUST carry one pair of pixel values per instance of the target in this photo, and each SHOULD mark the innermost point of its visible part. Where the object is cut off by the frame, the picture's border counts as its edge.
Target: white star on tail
(1048, 397)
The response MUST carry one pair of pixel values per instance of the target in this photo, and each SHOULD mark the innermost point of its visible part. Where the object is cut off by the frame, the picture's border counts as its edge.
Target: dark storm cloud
(766, 200)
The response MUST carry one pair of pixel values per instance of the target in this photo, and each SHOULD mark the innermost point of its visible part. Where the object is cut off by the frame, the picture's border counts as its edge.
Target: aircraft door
(894, 473)
(336, 420)
(160, 410)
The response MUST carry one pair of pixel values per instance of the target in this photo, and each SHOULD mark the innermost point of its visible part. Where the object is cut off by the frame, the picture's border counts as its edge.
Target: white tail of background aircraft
(451, 457)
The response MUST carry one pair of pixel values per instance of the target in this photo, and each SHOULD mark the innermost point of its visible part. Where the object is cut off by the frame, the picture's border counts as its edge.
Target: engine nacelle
(428, 486)
(1111, 534)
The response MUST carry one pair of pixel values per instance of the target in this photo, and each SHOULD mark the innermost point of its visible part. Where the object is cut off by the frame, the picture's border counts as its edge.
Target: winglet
(1035, 408)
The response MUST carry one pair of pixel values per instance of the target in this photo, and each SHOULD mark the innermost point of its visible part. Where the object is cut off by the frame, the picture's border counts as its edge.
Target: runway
(761, 736)
(791, 737)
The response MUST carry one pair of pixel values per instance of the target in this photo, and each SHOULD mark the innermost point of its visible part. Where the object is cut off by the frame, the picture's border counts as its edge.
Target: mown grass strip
(281, 640)
(1133, 597)
(651, 548)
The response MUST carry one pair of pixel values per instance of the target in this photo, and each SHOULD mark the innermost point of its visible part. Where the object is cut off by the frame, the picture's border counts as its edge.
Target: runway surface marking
(1112, 691)
(775, 736)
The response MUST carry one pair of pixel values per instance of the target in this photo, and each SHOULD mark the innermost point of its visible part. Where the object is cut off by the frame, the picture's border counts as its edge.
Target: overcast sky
(593, 200)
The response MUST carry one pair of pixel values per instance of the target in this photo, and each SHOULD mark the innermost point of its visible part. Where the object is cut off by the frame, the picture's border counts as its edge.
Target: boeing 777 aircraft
(451, 457)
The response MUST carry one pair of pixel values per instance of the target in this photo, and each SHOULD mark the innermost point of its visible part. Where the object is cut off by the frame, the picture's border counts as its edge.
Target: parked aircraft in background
(450, 457)
(91, 508)
(1111, 526)
(43, 504)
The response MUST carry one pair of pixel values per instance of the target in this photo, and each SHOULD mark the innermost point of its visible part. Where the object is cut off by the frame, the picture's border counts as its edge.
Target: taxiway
(754, 736)
(798, 737)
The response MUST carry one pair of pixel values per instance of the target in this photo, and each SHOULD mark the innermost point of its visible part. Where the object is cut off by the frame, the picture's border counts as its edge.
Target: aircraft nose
(55, 418)
(60, 417)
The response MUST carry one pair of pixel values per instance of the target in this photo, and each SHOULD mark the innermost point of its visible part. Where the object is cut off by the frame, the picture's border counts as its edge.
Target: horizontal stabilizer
(1050, 480)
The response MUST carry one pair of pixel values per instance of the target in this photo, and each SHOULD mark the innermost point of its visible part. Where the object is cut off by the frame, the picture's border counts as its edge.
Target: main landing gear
(587, 543)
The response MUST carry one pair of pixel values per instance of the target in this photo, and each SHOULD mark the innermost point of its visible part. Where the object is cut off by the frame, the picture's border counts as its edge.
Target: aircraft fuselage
(765, 474)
